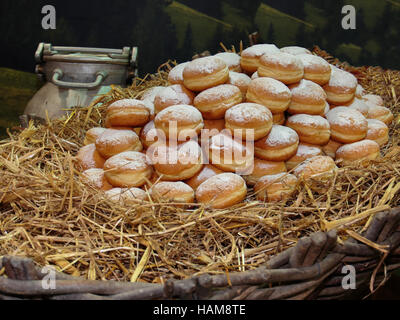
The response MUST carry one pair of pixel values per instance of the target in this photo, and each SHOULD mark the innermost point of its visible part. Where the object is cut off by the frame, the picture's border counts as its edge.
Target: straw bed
(49, 215)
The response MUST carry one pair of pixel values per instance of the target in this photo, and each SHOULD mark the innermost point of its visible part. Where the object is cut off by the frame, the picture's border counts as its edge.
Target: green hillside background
(178, 29)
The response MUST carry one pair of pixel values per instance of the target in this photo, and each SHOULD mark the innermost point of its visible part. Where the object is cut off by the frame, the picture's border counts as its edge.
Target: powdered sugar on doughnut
(259, 49)
(309, 120)
(151, 93)
(112, 137)
(344, 116)
(221, 92)
(295, 50)
(282, 59)
(130, 160)
(357, 147)
(205, 65)
(310, 60)
(246, 112)
(307, 151)
(221, 182)
(176, 73)
(308, 89)
(375, 124)
(165, 188)
(270, 85)
(341, 78)
(281, 135)
(240, 79)
(231, 59)
(180, 112)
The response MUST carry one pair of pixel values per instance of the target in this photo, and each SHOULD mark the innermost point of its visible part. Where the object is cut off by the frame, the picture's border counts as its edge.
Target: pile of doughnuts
(273, 117)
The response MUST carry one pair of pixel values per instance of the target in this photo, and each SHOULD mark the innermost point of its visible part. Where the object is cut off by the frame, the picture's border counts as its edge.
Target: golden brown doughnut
(175, 76)
(240, 80)
(318, 167)
(207, 172)
(149, 135)
(373, 99)
(231, 59)
(280, 145)
(179, 122)
(172, 96)
(307, 98)
(378, 131)
(347, 125)
(361, 152)
(214, 127)
(92, 135)
(173, 192)
(126, 196)
(316, 69)
(151, 93)
(263, 168)
(251, 56)
(279, 118)
(112, 142)
(222, 191)
(229, 154)
(128, 113)
(270, 93)
(341, 87)
(128, 169)
(304, 152)
(179, 162)
(96, 178)
(213, 102)
(249, 116)
(380, 113)
(281, 66)
(311, 129)
(359, 105)
(204, 73)
(89, 158)
(295, 50)
(274, 188)
(331, 147)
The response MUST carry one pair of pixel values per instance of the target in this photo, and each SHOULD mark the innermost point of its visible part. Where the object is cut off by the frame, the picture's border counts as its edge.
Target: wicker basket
(313, 269)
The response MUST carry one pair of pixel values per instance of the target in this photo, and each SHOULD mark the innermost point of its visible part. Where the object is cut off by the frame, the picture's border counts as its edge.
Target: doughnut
(274, 188)
(310, 129)
(149, 135)
(229, 154)
(126, 196)
(214, 126)
(204, 73)
(326, 110)
(280, 145)
(263, 168)
(222, 191)
(270, 93)
(341, 87)
(304, 152)
(171, 96)
(360, 91)
(320, 167)
(249, 116)
(175, 76)
(128, 169)
(92, 135)
(207, 172)
(112, 142)
(331, 147)
(89, 158)
(175, 163)
(295, 50)
(128, 113)
(281, 66)
(213, 102)
(380, 113)
(361, 151)
(96, 178)
(378, 131)
(255, 75)
(231, 59)
(316, 69)
(239, 80)
(279, 118)
(179, 122)
(151, 93)
(251, 56)
(307, 97)
(173, 192)
(373, 99)
(359, 105)
(347, 125)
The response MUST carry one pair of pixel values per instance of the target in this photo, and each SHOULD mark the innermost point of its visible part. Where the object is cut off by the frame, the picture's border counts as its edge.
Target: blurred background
(177, 29)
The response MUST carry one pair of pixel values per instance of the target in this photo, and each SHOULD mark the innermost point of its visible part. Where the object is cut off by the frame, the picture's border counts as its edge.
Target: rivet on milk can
(76, 76)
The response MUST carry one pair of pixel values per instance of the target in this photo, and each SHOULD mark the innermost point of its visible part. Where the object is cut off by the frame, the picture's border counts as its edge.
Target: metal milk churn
(76, 76)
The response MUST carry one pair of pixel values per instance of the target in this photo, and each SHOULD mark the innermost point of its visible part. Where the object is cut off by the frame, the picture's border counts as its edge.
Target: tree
(271, 34)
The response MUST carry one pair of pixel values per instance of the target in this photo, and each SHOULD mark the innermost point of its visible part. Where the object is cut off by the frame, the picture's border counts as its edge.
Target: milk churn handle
(58, 74)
